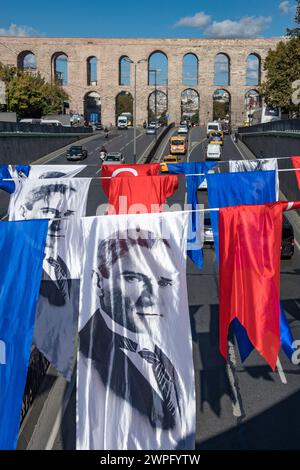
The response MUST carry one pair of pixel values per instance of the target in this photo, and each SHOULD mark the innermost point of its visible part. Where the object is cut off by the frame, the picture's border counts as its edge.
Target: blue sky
(147, 18)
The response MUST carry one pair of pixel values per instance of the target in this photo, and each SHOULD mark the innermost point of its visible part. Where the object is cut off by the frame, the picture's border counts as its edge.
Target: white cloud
(247, 27)
(199, 20)
(284, 7)
(15, 30)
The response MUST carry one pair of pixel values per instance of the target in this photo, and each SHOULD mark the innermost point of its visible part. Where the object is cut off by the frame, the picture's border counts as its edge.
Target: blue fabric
(8, 186)
(25, 169)
(22, 246)
(232, 189)
(192, 184)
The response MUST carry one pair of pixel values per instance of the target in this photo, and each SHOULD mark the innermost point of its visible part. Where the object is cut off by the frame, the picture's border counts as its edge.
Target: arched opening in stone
(27, 61)
(124, 104)
(92, 107)
(253, 70)
(222, 106)
(190, 106)
(253, 103)
(91, 65)
(60, 68)
(190, 65)
(124, 71)
(158, 107)
(158, 69)
(222, 70)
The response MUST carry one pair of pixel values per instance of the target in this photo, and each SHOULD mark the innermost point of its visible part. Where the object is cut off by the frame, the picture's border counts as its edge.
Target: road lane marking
(280, 371)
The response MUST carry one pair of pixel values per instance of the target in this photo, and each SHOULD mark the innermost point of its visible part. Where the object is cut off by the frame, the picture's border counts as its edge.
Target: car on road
(168, 159)
(213, 126)
(77, 152)
(213, 152)
(288, 240)
(178, 145)
(183, 129)
(216, 137)
(150, 130)
(208, 231)
(113, 158)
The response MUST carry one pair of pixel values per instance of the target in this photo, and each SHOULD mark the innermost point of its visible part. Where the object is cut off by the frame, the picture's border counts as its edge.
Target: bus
(265, 114)
(178, 145)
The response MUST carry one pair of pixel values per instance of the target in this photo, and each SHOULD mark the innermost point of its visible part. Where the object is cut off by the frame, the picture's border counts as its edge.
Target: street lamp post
(135, 106)
(155, 102)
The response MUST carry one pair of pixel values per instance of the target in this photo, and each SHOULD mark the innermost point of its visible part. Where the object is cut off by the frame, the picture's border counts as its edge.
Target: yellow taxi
(178, 145)
(168, 159)
(216, 137)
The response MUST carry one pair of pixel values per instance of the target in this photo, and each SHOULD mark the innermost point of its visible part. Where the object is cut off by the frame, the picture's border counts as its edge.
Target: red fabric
(296, 164)
(148, 169)
(145, 190)
(250, 240)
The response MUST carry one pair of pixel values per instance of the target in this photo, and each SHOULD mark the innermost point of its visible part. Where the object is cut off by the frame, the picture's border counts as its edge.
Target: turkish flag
(250, 241)
(142, 194)
(111, 171)
(296, 165)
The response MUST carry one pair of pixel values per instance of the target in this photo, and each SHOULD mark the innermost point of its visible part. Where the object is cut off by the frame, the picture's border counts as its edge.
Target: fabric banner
(64, 201)
(135, 382)
(113, 171)
(267, 164)
(48, 171)
(296, 165)
(250, 241)
(128, 195)
(197, 170)
(22, 246)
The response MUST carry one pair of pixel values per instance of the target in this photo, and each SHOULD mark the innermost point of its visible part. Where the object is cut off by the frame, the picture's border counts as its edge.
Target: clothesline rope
(290, 207)
(169, 174)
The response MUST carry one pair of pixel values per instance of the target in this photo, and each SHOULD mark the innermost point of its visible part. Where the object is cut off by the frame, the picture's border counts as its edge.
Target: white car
(213, 152)
(183, 130)
(114, 158)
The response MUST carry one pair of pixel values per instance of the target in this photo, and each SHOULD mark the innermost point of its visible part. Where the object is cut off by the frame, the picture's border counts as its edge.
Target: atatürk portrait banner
(135, 387)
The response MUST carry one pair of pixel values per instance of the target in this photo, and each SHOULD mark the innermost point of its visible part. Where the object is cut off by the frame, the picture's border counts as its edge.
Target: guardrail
(158, 142)
(285, 125)
(27, 128)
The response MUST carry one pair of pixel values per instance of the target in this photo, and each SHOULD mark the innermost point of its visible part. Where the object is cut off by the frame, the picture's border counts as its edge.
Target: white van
(122, 122)
(213, 126)
(51, 122)
(213, 152)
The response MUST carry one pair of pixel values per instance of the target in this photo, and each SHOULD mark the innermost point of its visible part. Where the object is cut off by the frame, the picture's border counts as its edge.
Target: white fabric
(268, 164)
(52, 171)
(120, 402)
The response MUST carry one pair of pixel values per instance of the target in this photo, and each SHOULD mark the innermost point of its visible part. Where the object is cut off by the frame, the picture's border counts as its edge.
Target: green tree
(295, 32)
(29, 95)
(283, 70)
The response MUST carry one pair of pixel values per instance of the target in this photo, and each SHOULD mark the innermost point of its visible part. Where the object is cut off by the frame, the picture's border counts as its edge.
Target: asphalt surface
(240, 406)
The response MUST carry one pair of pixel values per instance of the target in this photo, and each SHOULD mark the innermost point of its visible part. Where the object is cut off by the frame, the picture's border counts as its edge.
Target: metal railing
(25, 127)
(285, 125)
(158, 142)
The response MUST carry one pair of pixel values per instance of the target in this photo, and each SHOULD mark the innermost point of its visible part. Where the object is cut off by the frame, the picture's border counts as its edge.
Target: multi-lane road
(239, 406)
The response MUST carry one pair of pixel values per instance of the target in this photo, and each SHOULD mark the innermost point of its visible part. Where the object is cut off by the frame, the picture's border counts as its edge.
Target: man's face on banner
(140, 288)
(49, 202)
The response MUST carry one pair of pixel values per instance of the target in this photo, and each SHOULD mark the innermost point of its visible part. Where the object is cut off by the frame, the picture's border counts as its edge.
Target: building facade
(92, 71)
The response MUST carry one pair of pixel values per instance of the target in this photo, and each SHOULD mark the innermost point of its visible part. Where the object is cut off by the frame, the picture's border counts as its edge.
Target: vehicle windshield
(214, 127)
(113, 158)
(272, 111)
(177, 142)
(170, 159)
(75, 149)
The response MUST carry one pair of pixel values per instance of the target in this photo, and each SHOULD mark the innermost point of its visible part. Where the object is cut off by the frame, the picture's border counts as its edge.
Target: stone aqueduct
(109, 52)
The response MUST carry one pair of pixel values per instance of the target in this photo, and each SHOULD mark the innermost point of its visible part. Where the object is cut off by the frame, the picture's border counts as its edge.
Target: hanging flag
(112, 171)
(250, 241)
(268, 164)
(197, 170)
(63, 200)
(296, 165)
(135, 379)
(142, 194)
(22, 247)
(8, 186)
